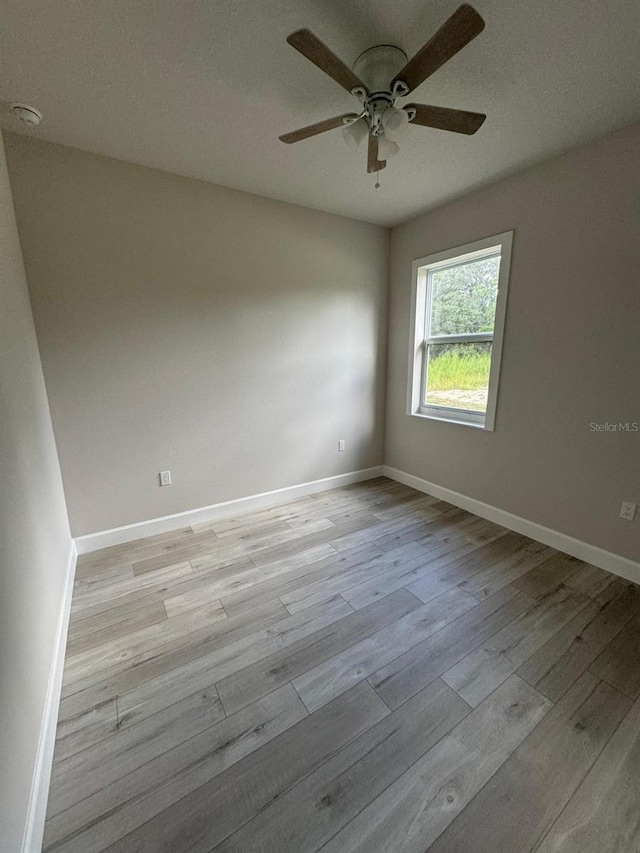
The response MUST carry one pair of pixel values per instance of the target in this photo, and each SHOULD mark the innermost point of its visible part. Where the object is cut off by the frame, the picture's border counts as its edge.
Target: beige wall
(228, 338)
(571, 349)
(34, 535)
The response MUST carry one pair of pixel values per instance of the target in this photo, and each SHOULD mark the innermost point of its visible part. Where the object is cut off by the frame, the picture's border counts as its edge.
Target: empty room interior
(319, 426)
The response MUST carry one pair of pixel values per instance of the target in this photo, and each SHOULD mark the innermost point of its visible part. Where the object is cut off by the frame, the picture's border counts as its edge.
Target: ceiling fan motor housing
(378, 66)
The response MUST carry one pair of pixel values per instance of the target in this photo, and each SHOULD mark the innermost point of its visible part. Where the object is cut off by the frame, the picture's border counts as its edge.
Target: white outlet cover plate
(628, 510)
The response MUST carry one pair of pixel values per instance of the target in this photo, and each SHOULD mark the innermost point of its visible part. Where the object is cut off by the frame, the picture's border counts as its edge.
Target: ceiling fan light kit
(381, 76)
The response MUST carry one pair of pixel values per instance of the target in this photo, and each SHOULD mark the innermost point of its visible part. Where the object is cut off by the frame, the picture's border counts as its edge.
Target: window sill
(460, 421)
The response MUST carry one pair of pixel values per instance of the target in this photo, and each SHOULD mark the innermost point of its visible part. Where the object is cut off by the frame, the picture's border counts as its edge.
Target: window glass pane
(463, 298)
(457, 376)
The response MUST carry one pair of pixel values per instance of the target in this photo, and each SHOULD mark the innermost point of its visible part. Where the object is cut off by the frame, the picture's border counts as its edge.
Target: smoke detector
(29, 116)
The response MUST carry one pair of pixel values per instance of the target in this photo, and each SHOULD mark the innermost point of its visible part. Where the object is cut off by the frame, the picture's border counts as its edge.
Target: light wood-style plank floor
(368, 669)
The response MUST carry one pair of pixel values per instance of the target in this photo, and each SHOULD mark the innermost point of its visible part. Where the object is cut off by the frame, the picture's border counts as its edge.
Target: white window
(458, 309)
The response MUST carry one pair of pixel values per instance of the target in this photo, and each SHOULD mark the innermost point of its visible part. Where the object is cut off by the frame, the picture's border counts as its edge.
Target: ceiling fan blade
(318, 127)
(317, 52)
(373, 164)
(458, 121)
(463, 26)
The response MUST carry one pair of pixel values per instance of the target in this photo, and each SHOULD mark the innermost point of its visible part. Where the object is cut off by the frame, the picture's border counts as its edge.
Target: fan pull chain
(377, 183)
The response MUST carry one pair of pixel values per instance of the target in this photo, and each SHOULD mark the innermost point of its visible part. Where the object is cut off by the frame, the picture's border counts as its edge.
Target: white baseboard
(34, 827)
(142, 529)
(622, 566)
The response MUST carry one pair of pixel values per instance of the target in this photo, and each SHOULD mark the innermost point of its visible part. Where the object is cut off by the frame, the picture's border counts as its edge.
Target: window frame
(498, 244)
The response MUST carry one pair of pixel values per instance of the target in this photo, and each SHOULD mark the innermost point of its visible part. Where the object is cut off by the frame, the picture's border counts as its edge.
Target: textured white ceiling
(204, 87)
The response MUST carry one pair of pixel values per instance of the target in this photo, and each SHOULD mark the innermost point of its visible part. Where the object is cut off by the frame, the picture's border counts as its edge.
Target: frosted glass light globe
(386, 147)
(395, 123)
(354, 134)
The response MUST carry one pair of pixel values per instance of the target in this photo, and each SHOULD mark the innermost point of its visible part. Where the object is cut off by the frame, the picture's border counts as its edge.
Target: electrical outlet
(628, 510)
(165, 478)
(341, 445)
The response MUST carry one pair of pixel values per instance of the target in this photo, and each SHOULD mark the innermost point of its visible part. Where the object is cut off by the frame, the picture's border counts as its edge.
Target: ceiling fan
(383, 74)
